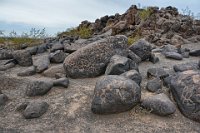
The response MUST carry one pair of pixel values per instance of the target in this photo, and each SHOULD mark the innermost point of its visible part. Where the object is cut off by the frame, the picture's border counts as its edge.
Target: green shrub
(144, 13)
(82, 32)
(134, 39)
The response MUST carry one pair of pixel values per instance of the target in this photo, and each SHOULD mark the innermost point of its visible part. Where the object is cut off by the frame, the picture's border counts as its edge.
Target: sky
(58, 15)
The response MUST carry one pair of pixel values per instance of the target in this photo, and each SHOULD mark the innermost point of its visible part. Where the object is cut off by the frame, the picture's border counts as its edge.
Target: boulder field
(102, 84)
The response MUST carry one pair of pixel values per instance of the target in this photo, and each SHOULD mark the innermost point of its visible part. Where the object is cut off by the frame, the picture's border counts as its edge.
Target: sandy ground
(69, 110)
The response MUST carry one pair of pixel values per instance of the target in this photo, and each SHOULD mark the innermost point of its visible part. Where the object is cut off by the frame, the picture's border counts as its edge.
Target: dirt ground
(69, 110)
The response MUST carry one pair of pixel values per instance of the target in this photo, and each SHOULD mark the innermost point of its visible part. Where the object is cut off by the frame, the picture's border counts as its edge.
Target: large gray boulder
(142, 49)
(119, 64)
(23, 57)
(185, 87)
(115, 94)
(91, 60)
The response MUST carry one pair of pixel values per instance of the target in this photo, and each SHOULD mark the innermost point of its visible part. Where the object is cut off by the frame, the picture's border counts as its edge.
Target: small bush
(134, 39)
(144, 13)
(82, 32)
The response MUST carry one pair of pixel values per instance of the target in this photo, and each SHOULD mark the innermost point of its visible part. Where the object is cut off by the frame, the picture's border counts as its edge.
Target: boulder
(185, 88)
(41, 64)
(119, 64)
(115, 94)
(133, 75)
(7, 66)
(41, 48)
(3, 99)
(57, 46)
(5, 54)
(53, 70)
(186, 66)
(195, 52)
(27, 71)
(35, 109)
(33, 50)
(23, 57)
(63, 82)
(134, 57)
(159, 104)
(173, 55)
(157, 72)
(142, 49)
(38, 88)
(57, 57)
(154, 85)
(169, 48)
(91, 60)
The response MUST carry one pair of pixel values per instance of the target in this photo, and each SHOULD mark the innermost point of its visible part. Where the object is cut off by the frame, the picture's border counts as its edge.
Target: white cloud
(61, 14)
(54, 13)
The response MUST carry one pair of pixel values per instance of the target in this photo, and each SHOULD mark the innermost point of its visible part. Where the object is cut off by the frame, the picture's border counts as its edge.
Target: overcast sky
(58, 15)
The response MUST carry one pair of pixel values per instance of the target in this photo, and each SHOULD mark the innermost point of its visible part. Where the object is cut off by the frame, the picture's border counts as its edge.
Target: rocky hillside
(135, 72)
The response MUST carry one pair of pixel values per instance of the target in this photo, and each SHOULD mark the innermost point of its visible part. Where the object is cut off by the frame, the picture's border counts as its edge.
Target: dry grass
(16, 42)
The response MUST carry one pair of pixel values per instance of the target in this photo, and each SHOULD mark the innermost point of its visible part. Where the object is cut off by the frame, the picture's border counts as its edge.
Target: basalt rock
(91, 60)
(115, 94)
(119, 65)
(185, 87)
(23, 57)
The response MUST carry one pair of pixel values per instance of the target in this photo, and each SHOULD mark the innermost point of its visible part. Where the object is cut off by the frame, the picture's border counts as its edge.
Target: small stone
(157, 72)
(186, 66)
(57, 46)
(35, 109)
(119, 64)
(63, 82)
(154, 85)
(27, 71)
(57, 57)
(173, 55)
(41, 64)
(195, 52)
(159, 104)
(133, 75)
(59, 75)
(3, 99)
(134, 57)
(153, 59)
(38, 88)
(41, 48)
(32, 50)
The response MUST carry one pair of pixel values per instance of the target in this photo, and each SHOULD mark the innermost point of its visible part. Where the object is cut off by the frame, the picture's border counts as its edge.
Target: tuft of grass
(145, 14)
(82, 32)
(134, 39)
